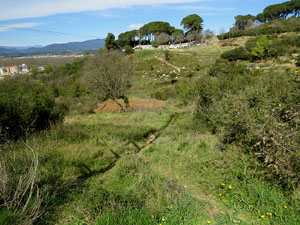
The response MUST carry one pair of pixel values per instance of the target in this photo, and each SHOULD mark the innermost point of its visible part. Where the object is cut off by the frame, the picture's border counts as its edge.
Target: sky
(43, 22)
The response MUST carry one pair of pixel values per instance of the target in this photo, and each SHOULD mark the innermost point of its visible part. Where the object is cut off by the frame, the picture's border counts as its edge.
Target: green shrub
(48, 69)
(5, 218)
(272, 27)
(223, 67)
(274, 47)
(78, 90)
(236, 54)
(261, 49)
(129, 50)
(25, 107)
(225, 44)
(167, 55)
(250, 44)
(164, 93)
(155, 45)
(298, 61)
(186, 91)
(259, 113)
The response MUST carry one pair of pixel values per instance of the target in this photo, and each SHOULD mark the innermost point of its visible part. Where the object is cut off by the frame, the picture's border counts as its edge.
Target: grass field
(103, 177)
(154, 166)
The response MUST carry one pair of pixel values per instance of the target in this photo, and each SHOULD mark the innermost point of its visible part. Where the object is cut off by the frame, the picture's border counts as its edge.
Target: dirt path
(217, 45)
(151, 138)
(155, 135)
(166, 62)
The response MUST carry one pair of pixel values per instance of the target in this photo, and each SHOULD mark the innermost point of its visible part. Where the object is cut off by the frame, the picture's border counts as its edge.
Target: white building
(24, 68)
(14, 69)
(41, 68)
(3, 71)
(144, 47)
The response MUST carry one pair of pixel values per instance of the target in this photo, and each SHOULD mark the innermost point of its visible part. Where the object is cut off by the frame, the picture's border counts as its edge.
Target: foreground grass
(181, 178)
(96, 170)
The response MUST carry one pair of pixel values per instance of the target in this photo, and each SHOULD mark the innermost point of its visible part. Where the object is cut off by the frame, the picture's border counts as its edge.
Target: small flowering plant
(224, 189)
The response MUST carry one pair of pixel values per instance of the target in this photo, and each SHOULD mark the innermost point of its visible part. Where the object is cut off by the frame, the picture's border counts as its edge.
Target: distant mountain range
(71, 47)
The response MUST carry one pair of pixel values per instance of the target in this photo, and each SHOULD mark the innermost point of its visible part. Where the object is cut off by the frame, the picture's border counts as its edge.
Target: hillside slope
(55, 48)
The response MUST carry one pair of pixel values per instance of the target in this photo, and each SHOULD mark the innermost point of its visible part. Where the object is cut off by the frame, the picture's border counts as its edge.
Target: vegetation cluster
(223, 149)
(257, 111)
(26, 107)
(265, 47)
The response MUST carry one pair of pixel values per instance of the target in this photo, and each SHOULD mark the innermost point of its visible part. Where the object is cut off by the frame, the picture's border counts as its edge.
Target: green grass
(176, 180)
(95, 172)
(5, 218)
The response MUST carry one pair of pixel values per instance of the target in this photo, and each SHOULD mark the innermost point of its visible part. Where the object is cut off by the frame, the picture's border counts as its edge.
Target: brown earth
(112, 106)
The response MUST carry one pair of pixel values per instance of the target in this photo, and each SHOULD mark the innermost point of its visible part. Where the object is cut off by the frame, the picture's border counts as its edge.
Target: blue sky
(95, 18)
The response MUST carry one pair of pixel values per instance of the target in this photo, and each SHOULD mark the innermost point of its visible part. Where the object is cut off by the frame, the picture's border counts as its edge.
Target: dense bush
(155, 45)
(258, 112)
(186, 91)
(223, 67)
(298, 61)
(261, 48)
(236, 54)
(168, 55)
(129, 50)
(225, 44)
(264, 47)
(274, 27)
(164, 93)
(25, 107)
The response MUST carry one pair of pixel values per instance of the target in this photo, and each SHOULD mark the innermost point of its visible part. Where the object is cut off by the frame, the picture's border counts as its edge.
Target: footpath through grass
(180, 178)
(95, 169)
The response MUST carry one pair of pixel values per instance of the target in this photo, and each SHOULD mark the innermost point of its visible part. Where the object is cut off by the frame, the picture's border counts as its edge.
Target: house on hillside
(3, 71)
(163, 47)
(24, 68)
(144, 47)
(14, 69)
(174, 46)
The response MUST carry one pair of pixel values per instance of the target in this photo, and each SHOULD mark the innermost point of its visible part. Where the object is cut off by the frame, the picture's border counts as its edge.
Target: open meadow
(201, 157)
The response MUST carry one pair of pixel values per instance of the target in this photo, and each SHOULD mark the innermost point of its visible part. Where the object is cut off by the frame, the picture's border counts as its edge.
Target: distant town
(12, 70)
(24, 69)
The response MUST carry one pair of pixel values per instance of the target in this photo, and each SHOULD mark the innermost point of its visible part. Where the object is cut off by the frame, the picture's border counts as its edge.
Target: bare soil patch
(112, 106)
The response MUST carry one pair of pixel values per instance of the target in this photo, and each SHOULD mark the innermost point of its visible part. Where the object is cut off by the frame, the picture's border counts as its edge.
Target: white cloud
(7, 27)
(190, 7)
(17, 9)
(135, 26)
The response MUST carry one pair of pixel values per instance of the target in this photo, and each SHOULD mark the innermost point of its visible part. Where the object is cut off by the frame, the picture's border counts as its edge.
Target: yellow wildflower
(171, 206)
(180, 217)
(220, 194)
(262, 216)
(163, 219)
(208, 222)
(229, 187)
(285, 207)
(269, 214)
(223, 184)
(258, 211)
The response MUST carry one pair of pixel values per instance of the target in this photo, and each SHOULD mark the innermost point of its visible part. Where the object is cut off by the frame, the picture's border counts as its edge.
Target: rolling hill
(54, 48)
